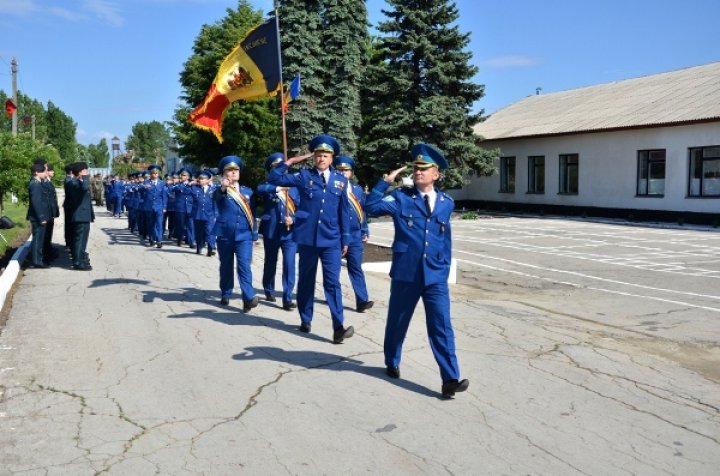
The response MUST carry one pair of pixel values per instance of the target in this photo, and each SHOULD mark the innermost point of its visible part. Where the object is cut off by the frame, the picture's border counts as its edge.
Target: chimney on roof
(537, 91)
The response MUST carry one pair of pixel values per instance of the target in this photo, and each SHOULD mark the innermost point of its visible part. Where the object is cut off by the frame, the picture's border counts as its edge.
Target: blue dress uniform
(169, 218)
(118, 186)
(155, 203)
(184, 226)
(321, 230)
(203, 213)
(277, 235)
(422, 250)
(235, 231)
(359, 232)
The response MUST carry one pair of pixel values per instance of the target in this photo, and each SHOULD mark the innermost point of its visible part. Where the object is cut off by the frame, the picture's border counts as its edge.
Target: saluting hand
(225, 184)
(390, 178)
(299, 158)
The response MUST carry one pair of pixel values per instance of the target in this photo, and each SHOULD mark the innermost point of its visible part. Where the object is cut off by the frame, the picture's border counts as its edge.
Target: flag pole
(282, 88)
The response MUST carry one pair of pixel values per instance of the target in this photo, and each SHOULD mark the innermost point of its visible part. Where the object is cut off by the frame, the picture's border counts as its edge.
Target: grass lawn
(16, 235)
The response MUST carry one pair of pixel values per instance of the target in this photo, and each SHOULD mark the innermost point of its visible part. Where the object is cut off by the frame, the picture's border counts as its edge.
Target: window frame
(645, 157)
(533, 166)
(564, 177)
(507, 181)
(693, 169)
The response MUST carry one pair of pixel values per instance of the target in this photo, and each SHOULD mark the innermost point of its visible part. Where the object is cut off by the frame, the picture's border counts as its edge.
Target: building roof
(678, 97)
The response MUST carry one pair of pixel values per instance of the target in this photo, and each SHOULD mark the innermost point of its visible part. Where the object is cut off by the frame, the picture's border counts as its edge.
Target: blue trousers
(354, 258)
(184, 228)
(289, 250)
(154, 224)
(228, 251)
(308, 261)
(203, 235)
(404, 297)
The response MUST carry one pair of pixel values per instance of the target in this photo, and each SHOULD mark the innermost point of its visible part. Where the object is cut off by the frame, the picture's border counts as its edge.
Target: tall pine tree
(345, 40)
(300, 40)
(419, 89)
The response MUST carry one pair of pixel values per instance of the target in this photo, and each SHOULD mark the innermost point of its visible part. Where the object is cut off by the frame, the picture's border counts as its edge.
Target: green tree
(251, 130)
(150, 142)
(16, 156)
(99, 153)
(27, 108)
(301, 35)
(345, 40)
(419, 89)
(61, 133)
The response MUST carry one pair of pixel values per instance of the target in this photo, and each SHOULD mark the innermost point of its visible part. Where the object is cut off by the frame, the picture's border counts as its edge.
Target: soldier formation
(316, 213)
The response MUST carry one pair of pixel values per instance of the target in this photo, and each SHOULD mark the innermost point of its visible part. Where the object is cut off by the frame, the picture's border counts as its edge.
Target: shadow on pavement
(310, 359)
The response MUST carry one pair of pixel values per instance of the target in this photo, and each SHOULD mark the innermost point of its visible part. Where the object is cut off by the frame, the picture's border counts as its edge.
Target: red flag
(10, 107)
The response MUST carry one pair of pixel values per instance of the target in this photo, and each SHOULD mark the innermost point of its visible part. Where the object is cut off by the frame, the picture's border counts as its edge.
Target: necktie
(428, 210)
(323, 179)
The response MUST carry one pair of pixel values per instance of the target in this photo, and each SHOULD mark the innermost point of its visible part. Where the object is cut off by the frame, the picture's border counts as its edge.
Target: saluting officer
(235, 231)
(422, 251)
(359, 234)
(155, 202)
(321, 229)
(278, 231)
(203, 212)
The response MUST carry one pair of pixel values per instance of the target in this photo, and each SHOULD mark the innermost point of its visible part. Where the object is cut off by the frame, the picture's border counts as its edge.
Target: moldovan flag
(292, 93)
(10, 107)
(250, 71)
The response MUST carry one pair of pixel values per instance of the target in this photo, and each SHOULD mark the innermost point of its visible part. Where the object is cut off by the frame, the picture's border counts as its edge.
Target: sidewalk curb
(10, 274)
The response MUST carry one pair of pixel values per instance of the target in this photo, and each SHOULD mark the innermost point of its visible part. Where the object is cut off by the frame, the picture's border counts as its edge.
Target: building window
(569, 164)
(536, 174)
(651, 173)
(704, 172)
(507, 174)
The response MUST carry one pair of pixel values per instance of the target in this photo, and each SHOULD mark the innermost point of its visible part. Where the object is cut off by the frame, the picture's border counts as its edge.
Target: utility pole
(13, 65)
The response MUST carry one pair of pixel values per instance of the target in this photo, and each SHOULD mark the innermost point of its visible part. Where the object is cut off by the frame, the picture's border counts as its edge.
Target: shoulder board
(446, 196)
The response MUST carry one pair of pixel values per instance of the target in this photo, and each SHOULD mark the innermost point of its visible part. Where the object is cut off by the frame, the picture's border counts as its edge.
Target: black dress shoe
(305, 327)
(82, 267)
(39, 266)
(251, 304)
(289, 305)
(211, 253)
(343, 333)
(270, 298)
(393, 372)
(198, 252)
(364, 306)
(225, 301)
(158, 244)
(451, 386)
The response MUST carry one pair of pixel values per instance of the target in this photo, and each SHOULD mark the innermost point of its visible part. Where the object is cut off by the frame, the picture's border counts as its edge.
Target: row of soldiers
(318, 214)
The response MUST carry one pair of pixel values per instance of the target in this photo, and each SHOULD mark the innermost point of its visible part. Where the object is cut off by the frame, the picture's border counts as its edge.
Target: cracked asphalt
(591, 348)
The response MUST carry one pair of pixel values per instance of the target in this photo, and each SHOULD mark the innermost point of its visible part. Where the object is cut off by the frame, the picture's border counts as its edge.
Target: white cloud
(18, 8)
(107, 11)
(510, 61)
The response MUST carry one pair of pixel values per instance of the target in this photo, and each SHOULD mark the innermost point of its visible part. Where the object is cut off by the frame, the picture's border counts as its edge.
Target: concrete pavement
(135, 368)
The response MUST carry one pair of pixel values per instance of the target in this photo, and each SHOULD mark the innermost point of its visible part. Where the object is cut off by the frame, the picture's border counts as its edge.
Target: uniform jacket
(232, 222)
(204, 207)
(39, 209)
(78, 201)
(422, 248)
(358, 227)
(52, 198)
(272, 226)
(183, 197)
(321, 219)
(154, 196)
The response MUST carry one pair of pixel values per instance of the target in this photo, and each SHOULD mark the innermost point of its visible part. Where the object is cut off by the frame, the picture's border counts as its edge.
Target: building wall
(608, 163)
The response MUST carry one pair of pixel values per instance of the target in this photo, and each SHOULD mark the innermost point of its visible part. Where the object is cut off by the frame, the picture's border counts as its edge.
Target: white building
(641, 147)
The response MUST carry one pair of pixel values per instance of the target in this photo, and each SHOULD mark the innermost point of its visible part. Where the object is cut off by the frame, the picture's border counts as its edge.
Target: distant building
(648, 146)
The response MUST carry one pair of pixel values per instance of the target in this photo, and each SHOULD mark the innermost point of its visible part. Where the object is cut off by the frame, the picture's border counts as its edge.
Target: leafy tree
(99, 153)
(61, 133)
(150, 142)
(419, 89)
(27, 107)
(251, 130)
(16, 156)
(345, 40)
(301, 35)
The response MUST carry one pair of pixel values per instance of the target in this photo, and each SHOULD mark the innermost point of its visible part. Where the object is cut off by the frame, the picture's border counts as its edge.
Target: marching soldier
(278, 231)
(321, 229)
(359, 234)
(203, 213)
(155, 204)
(235, 231)
(422, 251)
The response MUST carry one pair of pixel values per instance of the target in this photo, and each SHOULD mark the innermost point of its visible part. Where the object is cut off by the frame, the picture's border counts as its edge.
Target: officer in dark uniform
(235, 231)
(422, 251)
(80, 209)
(321, 229)
(49, 253)
(277, 227)
(359, 234)
(39, 213)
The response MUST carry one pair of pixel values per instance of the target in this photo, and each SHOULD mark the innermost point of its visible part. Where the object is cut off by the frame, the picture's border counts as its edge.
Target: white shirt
(432, 196)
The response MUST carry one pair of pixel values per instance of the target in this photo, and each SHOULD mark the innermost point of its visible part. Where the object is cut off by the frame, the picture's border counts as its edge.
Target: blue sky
(112, 63)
